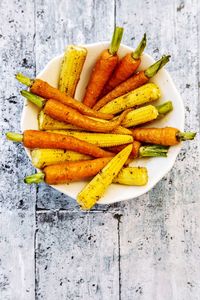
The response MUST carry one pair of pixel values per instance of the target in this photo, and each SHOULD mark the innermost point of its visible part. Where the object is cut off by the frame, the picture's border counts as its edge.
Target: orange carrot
(61, 112)
(103, 69)
(47, 140)
(167, 136)
(45, 90)
(132, 83)
(73, 171)
(68, 171)
(125, 68)
(134, 152)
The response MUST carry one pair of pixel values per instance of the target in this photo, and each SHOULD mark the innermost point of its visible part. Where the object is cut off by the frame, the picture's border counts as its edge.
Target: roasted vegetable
(43, 89)
(146, 114)
(167, 136)
(33, 139)
(71, 67)
(68, 171)
(45, 122)
(132, 176)
(146, 93)
(63, 113)
(74, 171)
(126, 67)
(99, 139)
(132, 83)
(98, 185)
(103, 69)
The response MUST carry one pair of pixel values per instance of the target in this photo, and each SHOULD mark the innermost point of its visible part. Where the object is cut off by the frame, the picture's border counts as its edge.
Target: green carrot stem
(140, 48)
(185, 136)
(153, 151)
(164, 108)
(40, 102)
(15, 137)
(23, 79)
(116, 40)
(153, 69)
(35, 178)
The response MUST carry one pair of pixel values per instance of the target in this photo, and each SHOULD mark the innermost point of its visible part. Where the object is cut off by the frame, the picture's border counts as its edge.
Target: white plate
(157, 167)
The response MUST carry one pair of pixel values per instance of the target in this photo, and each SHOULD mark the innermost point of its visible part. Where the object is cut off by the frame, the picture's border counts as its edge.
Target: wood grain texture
(17, 201)
(159, 232)
(77, 256)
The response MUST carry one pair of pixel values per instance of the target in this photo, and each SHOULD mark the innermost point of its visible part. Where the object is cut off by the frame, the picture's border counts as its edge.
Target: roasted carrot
(125, 68)
(132, 83)
(47, 140)
(142, 151)
(103, 69)
(134, 152)
(167, 136)
(61, 112)
(68, 171)
(43, 89)
(45, 122)
(66, 114)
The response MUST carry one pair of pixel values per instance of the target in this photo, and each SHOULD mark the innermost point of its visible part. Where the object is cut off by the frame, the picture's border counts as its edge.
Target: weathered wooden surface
(17, 201)
(84, 263)
(147, 248)
(160, 232)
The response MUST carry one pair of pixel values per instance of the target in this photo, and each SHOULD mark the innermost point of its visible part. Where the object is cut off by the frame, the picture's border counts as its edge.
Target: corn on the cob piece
(71, 68)
(146, 114)
(132, 176)
(99, 139)
(45, 157)
(117, 130)
(146, 93)
(96, 188)
(140, 116)
(45, 122)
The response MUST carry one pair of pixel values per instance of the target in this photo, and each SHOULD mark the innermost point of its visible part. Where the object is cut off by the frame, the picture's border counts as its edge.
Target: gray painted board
(17, 201)
(84, 250)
